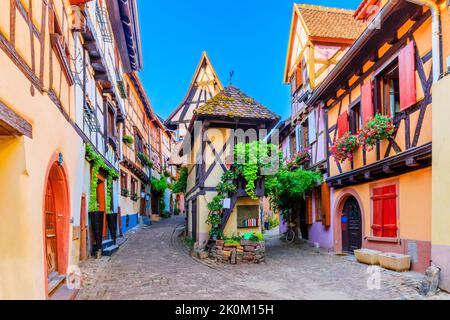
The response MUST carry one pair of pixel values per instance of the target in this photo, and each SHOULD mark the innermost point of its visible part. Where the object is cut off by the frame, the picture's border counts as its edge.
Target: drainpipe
(436, 35)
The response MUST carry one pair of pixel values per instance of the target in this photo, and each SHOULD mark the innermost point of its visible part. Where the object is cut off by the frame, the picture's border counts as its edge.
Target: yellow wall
(441, 168)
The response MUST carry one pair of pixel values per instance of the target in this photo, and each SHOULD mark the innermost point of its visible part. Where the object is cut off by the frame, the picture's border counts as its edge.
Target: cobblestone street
(155, 264)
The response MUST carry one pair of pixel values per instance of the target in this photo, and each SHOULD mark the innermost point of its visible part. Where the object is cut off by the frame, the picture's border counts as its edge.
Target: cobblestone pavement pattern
(155, 264)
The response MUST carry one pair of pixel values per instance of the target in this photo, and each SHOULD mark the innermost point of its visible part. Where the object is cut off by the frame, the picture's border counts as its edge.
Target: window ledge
(381, 239)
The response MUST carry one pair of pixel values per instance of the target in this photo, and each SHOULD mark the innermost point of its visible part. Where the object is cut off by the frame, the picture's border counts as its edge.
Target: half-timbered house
(107, 47)
(208, 148)
(205, 85)
(136, 165)
(40, 149)
(381, 197)
(319, 38)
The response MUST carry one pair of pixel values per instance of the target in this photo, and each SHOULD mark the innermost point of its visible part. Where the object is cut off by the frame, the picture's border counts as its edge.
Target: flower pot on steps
(111, 220)
(96, 223)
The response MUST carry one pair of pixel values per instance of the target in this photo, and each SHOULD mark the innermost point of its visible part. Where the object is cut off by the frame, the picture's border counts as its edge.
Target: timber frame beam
(14, 124)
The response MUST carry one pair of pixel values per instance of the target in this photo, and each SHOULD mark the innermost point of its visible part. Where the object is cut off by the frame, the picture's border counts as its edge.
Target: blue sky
(247, 36)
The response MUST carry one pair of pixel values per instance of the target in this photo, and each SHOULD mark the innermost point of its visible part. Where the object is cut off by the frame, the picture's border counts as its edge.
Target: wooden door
(50, 231)
(83, 229)
(194, 220)
(351, 226)
(102, 203)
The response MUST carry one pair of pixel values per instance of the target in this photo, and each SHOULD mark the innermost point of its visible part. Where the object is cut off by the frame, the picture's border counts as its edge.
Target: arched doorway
(56, 221)
(351, 225)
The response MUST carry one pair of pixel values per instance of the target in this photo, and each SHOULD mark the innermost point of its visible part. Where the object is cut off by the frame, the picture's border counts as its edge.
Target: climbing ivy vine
(97, 164)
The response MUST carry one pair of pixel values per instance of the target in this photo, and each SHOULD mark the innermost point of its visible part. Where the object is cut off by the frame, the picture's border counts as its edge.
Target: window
(134, 186)
(111, 123)
(355, 118)
(124, 183)
(312, 130)
(390, 97)
(397, 93)
(60, 48)
(248, 216)
(139, 143)
(384, 210)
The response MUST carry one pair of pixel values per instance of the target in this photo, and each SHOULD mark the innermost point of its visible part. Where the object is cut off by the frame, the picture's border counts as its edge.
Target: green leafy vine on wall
(99, 163)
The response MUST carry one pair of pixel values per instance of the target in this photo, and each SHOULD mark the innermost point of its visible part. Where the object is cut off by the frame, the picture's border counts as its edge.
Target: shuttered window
(407, 74)
(312, 128)
(326, 212)
(298, 78)
(367, 111)
(309, 211)
(343, 124)
(384, 204)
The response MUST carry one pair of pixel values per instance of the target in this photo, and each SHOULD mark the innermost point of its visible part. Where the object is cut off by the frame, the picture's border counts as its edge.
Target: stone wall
(245, 252)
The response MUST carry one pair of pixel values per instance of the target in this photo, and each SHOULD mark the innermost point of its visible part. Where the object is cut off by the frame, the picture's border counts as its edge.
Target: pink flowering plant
(377, 129)
(344, 147)
(299, 158)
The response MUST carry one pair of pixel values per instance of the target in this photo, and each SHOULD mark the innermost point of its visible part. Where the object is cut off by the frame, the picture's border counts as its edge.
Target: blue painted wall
(132, 222)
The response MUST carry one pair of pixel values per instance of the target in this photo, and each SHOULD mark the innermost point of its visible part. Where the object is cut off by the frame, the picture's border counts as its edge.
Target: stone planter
(395, 261)
(96, 223)
(367, 256)
(245, 252)
(111, 220)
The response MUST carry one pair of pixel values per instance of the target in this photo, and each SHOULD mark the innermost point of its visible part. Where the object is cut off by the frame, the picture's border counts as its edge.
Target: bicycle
(292, 233)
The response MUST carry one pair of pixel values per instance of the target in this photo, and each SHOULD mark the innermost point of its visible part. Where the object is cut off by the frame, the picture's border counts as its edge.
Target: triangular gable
(298, 38)
(205, 85)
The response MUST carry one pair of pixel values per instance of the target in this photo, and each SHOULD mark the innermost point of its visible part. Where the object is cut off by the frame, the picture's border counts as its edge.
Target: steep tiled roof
(330, 22)
(233, 103)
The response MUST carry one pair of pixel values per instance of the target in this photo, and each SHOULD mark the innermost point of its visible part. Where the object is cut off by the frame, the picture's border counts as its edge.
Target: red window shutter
(389, 212)
(367, 111)
(384, 221)
(343, 124)
(309, 217)
(407, 72)
(377, 219)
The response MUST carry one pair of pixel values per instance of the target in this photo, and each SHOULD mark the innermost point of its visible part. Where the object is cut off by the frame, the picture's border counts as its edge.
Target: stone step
(64, 293)
(54, 281)
(107, 243)
(108, 252)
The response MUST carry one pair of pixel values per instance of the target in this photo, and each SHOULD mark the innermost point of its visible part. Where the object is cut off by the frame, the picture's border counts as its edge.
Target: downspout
(436, 35)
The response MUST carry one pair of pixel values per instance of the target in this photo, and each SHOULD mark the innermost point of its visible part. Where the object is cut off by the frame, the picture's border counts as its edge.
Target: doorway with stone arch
(56, 213)
(348, 221)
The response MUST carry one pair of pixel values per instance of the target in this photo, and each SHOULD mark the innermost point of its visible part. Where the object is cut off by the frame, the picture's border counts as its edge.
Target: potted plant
(125, 193)
(344, 147)
(377, 129)
(135, 197)
(216, 234)
(128, 140)
(144, 159)
(214, 220)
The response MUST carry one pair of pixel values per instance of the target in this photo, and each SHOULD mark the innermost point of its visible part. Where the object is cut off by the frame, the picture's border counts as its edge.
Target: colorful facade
(319, 38)
(206, 150)
(69, 84)
(389, 71)
(40, 148)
